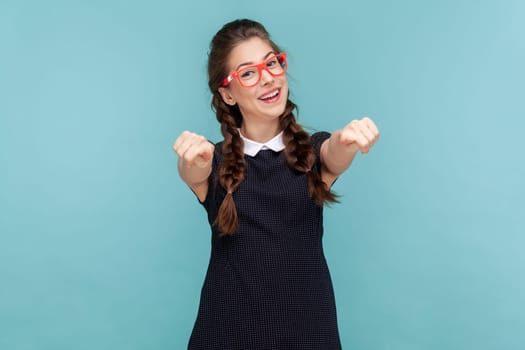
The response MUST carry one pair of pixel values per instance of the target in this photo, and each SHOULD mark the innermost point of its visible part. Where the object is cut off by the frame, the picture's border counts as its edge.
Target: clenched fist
(360, 134)
(193, 150)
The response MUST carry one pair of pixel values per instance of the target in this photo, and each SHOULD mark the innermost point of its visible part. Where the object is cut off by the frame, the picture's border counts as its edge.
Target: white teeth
(273, 94)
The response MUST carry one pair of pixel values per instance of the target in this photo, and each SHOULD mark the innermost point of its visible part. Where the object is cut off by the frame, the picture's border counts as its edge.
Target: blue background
(103, 247)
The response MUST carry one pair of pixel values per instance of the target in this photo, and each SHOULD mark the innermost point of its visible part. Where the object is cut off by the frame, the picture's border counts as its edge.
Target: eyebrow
(250, 63)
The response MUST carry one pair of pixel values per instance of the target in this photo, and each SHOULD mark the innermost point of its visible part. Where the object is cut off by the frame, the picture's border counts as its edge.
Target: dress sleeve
(215, 193)
(317, 140)
(212, 179)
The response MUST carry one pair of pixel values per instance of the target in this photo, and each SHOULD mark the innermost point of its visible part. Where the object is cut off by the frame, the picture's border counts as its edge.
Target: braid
(300, 155)
(232, 168)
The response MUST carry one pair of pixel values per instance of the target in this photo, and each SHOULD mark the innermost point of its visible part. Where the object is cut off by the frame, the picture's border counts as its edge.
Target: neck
(260, 132)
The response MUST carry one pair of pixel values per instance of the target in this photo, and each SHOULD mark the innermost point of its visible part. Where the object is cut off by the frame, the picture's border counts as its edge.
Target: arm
(195, 159)
(338, 152)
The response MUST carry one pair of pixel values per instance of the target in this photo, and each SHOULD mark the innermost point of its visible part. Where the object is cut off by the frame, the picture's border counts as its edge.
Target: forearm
(337, 157)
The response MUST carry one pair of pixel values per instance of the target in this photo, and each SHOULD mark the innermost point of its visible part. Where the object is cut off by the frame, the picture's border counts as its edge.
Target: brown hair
(298, 151)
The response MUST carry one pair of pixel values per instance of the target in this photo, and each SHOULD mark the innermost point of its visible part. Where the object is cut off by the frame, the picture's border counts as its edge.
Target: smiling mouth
(272, 96)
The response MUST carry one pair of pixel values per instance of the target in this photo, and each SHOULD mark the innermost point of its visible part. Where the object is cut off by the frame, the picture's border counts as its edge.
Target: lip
(273, 99)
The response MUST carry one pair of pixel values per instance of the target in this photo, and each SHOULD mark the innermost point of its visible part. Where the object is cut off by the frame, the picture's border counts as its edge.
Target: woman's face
(265, 101)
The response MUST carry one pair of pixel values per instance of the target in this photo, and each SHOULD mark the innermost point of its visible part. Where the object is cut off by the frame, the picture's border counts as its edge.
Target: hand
(359, 134)
(193, 150)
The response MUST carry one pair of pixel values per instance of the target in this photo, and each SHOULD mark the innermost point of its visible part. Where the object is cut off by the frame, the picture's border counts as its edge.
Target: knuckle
(187, 156)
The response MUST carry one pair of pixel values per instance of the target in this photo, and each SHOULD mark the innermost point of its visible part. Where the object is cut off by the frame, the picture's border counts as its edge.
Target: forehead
(249, 51)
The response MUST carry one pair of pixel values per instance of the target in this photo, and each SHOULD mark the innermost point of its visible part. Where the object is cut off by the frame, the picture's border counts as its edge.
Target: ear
(227, 96)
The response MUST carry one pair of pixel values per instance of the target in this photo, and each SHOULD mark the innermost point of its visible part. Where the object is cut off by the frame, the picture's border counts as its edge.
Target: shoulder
(319, 136)
(217, 154)
(317, 139)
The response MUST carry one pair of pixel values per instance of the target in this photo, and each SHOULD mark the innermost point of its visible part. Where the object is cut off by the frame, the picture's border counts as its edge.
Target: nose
(266, 77)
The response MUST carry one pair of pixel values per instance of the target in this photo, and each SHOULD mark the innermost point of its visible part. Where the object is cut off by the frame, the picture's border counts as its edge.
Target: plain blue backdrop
(103, 247)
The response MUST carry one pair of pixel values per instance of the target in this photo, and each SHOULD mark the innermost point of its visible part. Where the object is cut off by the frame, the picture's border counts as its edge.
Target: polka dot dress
(268, 286)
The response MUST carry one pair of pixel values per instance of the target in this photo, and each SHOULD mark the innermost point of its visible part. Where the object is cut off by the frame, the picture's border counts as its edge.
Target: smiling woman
(256, 85)
(264, 186)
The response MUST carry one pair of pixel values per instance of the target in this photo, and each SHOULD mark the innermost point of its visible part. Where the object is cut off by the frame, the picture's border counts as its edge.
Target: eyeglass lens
(275, 65)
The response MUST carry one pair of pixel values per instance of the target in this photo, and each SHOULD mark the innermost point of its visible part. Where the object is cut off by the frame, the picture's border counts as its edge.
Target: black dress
(267, 286)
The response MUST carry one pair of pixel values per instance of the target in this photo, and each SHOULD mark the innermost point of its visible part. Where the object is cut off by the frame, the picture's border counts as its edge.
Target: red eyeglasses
(250, 75)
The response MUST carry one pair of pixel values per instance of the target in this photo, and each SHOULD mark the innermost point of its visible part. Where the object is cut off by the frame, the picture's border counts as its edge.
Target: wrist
(338, 147)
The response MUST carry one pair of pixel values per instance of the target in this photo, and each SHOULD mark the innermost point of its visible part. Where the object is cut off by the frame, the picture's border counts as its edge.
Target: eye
(272, 62)
(247, 73)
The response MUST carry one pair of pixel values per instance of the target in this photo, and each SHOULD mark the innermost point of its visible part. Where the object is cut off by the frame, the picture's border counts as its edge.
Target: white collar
(251, 147)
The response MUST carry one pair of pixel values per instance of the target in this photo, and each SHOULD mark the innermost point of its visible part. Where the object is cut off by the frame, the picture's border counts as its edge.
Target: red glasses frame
(281, 58)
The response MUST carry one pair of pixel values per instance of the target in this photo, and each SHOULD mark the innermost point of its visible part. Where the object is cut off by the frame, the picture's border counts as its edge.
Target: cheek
(284, 83)
(284, 90)
(243, 94)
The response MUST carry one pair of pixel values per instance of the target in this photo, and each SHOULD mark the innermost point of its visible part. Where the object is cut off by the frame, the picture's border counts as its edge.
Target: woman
(263, 187)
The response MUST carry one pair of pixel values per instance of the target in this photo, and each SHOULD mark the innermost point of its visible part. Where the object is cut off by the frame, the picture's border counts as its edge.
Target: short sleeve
(216, 193)
(212, 179)
(317, 140)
